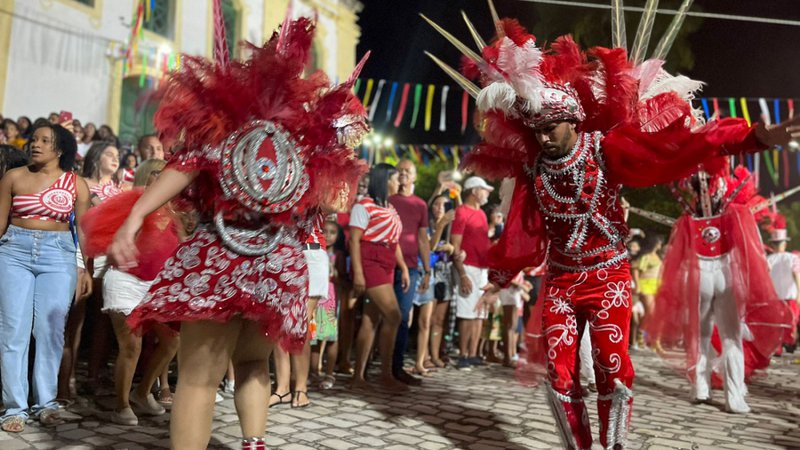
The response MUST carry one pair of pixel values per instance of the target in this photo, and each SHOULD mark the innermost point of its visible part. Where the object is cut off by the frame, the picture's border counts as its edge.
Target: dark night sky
(734, 58)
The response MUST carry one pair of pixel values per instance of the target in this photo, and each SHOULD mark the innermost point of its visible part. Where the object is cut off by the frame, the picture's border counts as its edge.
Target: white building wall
(50, 70)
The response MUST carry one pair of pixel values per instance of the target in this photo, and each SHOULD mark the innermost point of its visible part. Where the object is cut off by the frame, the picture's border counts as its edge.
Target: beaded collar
(580, 210)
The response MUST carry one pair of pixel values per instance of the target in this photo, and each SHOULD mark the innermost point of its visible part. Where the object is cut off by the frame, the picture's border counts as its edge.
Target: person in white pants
(718, 307)
(587, 362)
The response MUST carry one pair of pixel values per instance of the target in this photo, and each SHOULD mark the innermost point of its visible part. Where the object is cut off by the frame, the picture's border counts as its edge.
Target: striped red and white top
(380, 224)
(54, 204)
(105, 191)
(128, 175)
(317, 235)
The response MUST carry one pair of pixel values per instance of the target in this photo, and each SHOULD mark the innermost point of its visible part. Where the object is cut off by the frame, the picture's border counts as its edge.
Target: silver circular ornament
(711, 234)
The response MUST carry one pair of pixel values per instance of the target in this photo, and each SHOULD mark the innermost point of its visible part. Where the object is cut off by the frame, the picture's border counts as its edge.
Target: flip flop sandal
(327, 382)
(165, 397)
(280, 399)
(296, 398)
(13, 424)
(50, 417)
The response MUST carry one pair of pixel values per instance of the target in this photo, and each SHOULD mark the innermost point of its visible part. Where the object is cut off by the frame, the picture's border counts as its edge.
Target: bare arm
(82, 204)
(465, 285)
(405, 280)
(797, 282)
(424, 243)
(6, 185)
(359, 284)
(169, 184)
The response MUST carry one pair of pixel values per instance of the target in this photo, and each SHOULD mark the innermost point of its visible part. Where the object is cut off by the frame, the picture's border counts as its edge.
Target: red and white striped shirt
(105, 191)
(317, 235)
(52, 204)
(381, 224)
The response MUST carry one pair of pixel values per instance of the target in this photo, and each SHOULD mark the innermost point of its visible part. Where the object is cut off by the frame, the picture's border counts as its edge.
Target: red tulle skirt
(205, 280)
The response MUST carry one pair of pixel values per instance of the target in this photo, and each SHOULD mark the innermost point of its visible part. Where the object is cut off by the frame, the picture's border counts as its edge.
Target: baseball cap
(477, 182)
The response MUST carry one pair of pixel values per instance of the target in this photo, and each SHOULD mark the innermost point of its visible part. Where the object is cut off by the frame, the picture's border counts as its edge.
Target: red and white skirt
(205, 280)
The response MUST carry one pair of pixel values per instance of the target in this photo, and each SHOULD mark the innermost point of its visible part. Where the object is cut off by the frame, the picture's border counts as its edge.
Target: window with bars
(231, 16)
(162, 19)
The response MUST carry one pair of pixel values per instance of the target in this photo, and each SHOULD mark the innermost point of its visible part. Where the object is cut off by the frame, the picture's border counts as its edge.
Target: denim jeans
(405, 301)
(37, 281)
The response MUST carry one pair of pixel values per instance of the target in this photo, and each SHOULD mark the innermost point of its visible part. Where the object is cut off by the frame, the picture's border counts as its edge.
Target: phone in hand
(65, 116)
(449, 205)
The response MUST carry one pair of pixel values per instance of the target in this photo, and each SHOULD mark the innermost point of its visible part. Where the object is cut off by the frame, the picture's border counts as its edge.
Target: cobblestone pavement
(481, 409)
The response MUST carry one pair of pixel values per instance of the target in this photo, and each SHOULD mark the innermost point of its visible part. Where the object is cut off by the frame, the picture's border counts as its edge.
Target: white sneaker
(125, 417)
(147, 405)
(219, 398)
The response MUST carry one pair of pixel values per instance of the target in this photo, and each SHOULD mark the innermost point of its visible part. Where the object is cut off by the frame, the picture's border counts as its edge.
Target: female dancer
(256, 171)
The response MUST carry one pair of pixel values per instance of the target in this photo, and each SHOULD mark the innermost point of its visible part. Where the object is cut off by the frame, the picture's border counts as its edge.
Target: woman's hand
(84, 285)
(488, 298)
(446, 219)
(447, 248)
(359, 284)
(405, 279)
(122, 251)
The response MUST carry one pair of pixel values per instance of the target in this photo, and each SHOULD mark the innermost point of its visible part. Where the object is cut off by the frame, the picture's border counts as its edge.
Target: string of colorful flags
(400, 95)
(153, 58)
(776, 160)
(414, 104)
(423, 154)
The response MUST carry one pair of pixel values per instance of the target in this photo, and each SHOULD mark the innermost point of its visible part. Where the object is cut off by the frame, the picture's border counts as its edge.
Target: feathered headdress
(599, 88)
(296, 132)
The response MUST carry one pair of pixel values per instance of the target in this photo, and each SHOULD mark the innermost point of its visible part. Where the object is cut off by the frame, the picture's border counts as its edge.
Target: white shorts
(100, 267)
(465, 306)
(122, 291)
(318, 272)
(511, 296)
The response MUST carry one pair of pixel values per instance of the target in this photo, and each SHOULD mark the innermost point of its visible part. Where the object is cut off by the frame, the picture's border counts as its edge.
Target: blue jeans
(405, 301)
(37, 281)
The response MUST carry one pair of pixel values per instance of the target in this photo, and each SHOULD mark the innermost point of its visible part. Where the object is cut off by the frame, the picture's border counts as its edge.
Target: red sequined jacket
(569, 209)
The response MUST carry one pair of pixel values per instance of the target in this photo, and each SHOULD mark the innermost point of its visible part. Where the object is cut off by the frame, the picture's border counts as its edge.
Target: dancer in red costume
(715, 274)
(260, 149)
(785, 272)
(570, 127)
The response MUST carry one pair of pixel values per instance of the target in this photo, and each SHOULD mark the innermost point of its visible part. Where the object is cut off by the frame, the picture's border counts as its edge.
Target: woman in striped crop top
(374, 233)
(38, 272)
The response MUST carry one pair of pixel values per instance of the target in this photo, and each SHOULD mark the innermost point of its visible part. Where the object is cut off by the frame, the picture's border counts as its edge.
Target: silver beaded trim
(574, 165)
(581, 268)
(249, 242)
(243, 170)
(618, 415)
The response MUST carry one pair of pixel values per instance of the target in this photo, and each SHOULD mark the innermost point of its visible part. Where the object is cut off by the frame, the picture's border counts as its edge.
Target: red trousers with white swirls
(601, 297)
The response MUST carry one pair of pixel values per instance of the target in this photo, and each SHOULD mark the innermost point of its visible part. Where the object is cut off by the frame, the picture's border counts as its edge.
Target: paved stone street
(481, 409)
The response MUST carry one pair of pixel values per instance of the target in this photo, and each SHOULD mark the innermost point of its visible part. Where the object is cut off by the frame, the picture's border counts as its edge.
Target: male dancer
(571, 127)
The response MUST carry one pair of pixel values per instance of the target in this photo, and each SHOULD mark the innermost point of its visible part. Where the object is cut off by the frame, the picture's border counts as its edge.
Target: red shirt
(413, 212)
(472, 225)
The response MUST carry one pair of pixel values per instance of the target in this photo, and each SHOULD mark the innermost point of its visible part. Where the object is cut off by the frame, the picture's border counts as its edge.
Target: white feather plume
(499, 96)
(682, 85)
(520, 65)
(506, 194)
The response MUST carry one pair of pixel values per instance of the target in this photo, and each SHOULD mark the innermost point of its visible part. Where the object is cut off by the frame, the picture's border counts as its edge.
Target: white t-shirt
(782, 267)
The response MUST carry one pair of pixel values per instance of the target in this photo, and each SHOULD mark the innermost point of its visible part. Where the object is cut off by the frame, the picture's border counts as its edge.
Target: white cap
(477, 182)
(779, 235)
